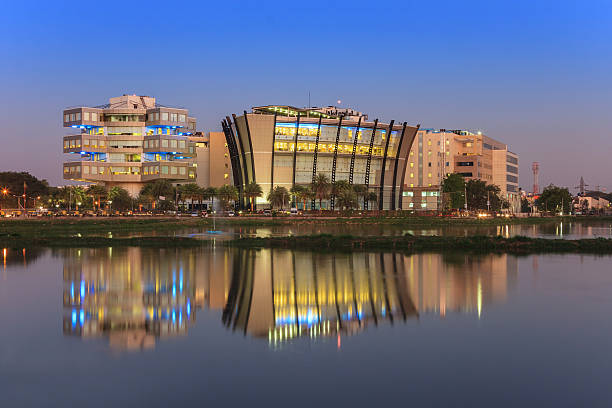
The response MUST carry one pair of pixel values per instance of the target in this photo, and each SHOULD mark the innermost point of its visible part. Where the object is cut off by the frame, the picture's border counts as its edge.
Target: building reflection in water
(134, 296)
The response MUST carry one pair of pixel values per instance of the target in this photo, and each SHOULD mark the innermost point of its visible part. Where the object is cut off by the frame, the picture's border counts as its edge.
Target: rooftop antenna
(309, 105)
(581, 186)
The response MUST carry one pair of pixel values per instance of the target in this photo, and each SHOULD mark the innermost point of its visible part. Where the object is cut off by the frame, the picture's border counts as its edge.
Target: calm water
(150, 327)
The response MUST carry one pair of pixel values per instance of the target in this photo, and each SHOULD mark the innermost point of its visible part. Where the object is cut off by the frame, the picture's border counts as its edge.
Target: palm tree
(339, 187)
(347, 199)
(297, 192)
(370, 197)
(320, 188)
(97, 192)
(226, 194)
(79, 195)
(278, 197)
(191, 191)
(306, 195)
(361, 190)
(159, 188)
(120, 198)
(252, 191)
(210, 193)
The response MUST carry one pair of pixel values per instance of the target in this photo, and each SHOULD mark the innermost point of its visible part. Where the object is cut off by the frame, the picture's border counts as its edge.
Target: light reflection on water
(141, 326)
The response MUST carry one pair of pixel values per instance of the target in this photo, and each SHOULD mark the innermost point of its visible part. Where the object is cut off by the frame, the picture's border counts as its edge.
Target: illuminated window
(85, 115)
(428, 174)
(225, 176)
(164, 116)
(411, 175)
(411, 185)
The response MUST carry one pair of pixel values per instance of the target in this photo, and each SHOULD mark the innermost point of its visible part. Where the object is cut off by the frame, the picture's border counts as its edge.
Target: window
(85, 115)
(101, 143)
(94, 117)
(411, 175)
(164, 169)
(408, 194)
(85, 142)
(66, 118)
(85, 169)
(66, 169)
(191, 174)
(181, 118)
(465, 164)
(164, 142)
(164, 116)
(181, 144)
(94, 169)
(66, 144)
(78, 116)
(511, 179)
(173, 170)
(428, 174)
(173, 144)
(226, 176)
(182, 171)
(411, 164)
(173, 117)
(72, 117)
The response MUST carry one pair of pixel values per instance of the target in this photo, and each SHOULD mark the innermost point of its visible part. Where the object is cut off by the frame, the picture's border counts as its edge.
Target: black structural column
(314, 161)
(253, 180)
(381, 199)
(297, 132)
(368, 163)
(272, 164)
(333, 177)
(403, 173)
(233, 151)
(397, 157)
(245, 180)
(354, 150)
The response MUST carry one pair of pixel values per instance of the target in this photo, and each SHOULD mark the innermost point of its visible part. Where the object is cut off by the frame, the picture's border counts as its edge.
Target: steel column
(381, 199)
(403, 173)
(314, 161)
(353, 153)
(297, 132)
(397, 157)
(246, 121)
(368, 164)
(272, 164)
(245, 181)
(333, 178)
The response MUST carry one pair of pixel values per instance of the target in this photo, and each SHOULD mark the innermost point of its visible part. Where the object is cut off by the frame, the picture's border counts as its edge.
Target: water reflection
(134, 296)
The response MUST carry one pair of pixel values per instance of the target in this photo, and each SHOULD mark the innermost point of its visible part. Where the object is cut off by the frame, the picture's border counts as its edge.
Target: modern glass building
(128, 142)
(284, 146)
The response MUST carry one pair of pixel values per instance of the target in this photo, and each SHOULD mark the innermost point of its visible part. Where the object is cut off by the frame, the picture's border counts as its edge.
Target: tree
(13, 182)
(301, 193)
(555, 198)
(226, 194)
(190, 191)
(79, 195)
(321, 188)
(120, 198)
(210, 193)
(252, 191)
(98, 193)
(159, 188)
(453, 187)
(361, 190)
(278, 196)
(370, 197)
(346, 199)
(479, 193)
(525, 207)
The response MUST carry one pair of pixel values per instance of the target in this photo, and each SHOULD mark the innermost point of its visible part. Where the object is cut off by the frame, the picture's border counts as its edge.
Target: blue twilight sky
(533, 74)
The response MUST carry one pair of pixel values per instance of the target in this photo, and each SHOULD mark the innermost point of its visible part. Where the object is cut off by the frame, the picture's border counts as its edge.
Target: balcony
(84, 143)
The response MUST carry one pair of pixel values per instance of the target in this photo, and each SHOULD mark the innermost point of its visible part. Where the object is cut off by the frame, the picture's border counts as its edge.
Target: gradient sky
(533, 74)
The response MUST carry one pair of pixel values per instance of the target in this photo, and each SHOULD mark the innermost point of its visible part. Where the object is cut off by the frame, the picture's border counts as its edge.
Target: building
(214, 167)
(284, 146)
(436, 153)
(128, 142)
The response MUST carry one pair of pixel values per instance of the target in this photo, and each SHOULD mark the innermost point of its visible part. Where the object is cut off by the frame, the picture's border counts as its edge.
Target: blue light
(181, 281)
(188, 309)
(173, 316)
(74, 317)
(72, 290)
(82, 289)
(82, 317)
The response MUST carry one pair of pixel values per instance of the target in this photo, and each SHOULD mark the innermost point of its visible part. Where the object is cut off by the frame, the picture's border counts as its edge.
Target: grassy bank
(65, 227)
(480, 244)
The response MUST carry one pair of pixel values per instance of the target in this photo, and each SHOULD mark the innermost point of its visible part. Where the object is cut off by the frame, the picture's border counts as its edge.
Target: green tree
(159, 188)
(98, 193)
(479, 193)
(227, 194)
(13, 182)
(120, 198)
(525, 207)
(210, 193)
(346, 199)
(370, 197)
(361, 190)
(252, 191)
(555, 199)
(191, 191)
(453, 188)
(278, 196)
(321, 188)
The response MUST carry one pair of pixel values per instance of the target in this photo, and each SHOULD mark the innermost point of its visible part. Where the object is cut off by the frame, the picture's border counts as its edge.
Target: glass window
(164, 169)
(85, 115)
(94, 169)
(173, 170)
(94, 117)
(173, 117)
(72, 117)
(66, 118)
(66, 144)
(182, 171)
(181, 144)
(181, 118)
(85, 169)
(85, 142)
(78, 116)
(164, 116)
(164, 142)
(173, 144)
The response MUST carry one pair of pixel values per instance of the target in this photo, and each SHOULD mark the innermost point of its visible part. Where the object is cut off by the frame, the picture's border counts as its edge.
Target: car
(293, 211)
(194, 214)
(267, 211)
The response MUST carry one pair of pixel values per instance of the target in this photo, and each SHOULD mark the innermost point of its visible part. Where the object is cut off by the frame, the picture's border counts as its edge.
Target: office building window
(164, 169)
(181, 118)
(164, 116)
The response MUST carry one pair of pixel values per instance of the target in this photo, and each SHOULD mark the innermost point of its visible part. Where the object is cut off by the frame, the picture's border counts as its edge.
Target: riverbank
(71, 226)
(413, 244)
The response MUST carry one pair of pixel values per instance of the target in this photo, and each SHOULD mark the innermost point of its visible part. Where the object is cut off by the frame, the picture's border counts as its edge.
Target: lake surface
(228, 327)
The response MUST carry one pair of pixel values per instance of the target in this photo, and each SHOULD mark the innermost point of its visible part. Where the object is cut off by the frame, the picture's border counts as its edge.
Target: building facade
(213, 164)
(437, 153)
(286, 146)
(129, 142)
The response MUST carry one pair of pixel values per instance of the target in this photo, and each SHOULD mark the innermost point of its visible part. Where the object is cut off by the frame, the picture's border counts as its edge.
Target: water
(173, 327)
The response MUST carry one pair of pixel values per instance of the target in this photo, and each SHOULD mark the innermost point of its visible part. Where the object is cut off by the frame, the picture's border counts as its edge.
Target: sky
(532, 74)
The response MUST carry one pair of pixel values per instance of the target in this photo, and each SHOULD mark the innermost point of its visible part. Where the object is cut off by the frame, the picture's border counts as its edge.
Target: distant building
(128, 142)
(438, 153)
(279, 145)
(591, 201)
